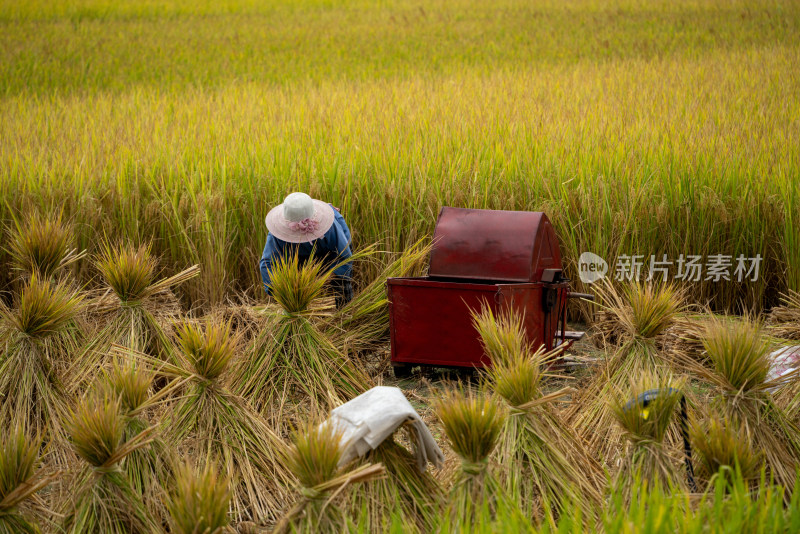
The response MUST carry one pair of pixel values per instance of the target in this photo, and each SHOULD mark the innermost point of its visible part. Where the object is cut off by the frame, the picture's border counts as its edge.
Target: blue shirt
(334, 246)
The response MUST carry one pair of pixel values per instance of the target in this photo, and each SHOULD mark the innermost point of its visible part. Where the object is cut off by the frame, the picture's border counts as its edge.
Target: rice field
(640, 127)
(147, 384)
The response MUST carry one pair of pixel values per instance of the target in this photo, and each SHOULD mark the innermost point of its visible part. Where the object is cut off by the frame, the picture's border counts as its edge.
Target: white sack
(366, 421)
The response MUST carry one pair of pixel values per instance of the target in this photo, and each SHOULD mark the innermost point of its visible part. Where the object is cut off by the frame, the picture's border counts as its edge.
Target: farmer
(305, 225)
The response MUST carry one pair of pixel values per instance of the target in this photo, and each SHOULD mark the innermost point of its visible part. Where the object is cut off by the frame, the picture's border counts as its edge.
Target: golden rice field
(640, 127)
(147, 384)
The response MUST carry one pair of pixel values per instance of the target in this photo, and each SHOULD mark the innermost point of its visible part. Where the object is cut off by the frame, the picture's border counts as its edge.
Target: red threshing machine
(501, 258)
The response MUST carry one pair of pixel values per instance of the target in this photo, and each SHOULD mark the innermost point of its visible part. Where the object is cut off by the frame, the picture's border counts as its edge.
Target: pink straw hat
(299, 219)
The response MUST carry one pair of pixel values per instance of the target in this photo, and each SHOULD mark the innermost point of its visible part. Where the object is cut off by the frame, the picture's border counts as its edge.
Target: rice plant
(148, 468)
(503, 335)
(645, 412)
(314, 460)
(541, 452)
(42, 246)
(103, 499)
(739, 365)
(473, 423)
(39, 344)
(633, 320)
(206, 420)
(199, 501)
(546, 463)
(636, 311)
(406, 492)
(21, 477)
(784, 320)
(363, 323)
(135, 307)
(294, 364)
(724, 448)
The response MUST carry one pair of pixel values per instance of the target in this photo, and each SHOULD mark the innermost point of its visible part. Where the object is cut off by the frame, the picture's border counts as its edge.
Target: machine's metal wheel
(401, 370)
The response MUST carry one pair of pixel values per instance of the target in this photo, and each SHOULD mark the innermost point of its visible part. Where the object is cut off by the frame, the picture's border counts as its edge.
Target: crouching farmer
(301, 225)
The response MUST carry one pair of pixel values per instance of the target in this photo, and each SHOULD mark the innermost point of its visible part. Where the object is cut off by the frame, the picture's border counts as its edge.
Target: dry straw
(645, 412)
(363, 323)
(546, 463)
(738, 367)
(405, 492)
(41, 246)
(633, 320)
(20, 479)
(39, 341)
(784, 320)
(314, 460)
(199, 501)
(473, 423)
(104, 501)
(722, 447)
(294, 365)
(135, 308)
(204, 419)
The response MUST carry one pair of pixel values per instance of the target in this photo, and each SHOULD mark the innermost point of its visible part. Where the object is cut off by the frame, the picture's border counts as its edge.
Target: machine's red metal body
(500, 258)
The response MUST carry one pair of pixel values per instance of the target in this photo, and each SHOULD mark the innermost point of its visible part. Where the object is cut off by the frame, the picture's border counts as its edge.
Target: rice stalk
(636, 318)
(722, 447)
(314, 460)
(41, 246)
(739, 358)
(473, 423)
(20, 479)
(363, 323)
(294, 366)
(206, 420)
(135, 308)
(405, 492)
(645, 413)
(547, 464)
(103, 499)
(199, 502)
(784, 320)
(148, 468)
(38, 341)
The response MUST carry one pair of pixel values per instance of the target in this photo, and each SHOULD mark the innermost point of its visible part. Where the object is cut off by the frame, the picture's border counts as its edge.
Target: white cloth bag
(366, 421)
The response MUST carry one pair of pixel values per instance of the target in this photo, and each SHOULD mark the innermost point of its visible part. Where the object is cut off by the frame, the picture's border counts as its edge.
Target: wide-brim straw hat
(299, 219)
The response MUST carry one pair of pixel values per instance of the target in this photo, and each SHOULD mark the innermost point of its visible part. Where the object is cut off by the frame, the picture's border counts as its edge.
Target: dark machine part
(503, 259)
(644, 400)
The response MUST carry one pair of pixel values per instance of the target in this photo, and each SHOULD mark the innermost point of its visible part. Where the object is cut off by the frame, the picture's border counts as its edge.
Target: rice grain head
(314, 457)
(472, 422)
(209, 349)
(516, 379)
(648, 421)
(132, 384)
(43, 308)
(41, 246)
(503, 335)
(199, 500)
(127, 269)
(738, 353)
(725, 444)
(637, 310)
(97, 429)
(294, 285)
